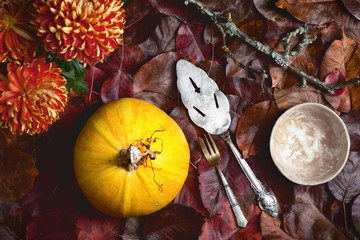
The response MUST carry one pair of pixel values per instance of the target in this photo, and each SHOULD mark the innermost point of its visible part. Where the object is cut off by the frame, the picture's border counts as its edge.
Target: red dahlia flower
(16, 32)
(33, 97)
(86, 29)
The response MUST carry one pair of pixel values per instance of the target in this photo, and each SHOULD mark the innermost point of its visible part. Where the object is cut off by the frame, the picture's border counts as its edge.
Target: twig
(228, 28)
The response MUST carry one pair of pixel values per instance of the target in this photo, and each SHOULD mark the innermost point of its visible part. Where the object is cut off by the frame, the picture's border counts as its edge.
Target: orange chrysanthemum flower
(33, 96)
(16, 32)
(86, 29)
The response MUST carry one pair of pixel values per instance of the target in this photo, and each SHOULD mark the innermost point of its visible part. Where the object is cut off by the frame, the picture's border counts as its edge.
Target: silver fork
(212, 155)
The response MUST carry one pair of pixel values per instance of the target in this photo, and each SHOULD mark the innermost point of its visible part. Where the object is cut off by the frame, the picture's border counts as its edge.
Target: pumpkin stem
(131, 158)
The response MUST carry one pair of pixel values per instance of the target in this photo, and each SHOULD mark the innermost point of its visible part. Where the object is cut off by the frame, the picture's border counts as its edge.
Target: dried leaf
(238, 9)
(52, 226)
(244, 54)
(221, 226)
(190, 193)
(268, 9)
(13, 220)
(319, 12)
(18, 165)
(353, 6)
(190, 44)
(355, 210)
(118, 86)
(155, 81)
(327, 204)
(95, 225)
(250, 135)
(305, 221)
(341, 99)
(133, 228)
(342, 186)
(212, 191)
(136, 10)
(271, 230)
(53, 191)
(173, 222)
(307, 60)
(353, 70)
(141, 29)
(334, 59)
(124, 58)
(352, 122)
(170, 8)
(276, 30)
(287, 98)
(163, 38)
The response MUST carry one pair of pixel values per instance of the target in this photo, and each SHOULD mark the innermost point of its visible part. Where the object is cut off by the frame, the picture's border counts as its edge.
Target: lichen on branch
(228, 28)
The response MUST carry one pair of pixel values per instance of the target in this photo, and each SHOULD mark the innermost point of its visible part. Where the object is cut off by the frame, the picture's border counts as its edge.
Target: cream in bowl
(309, 144)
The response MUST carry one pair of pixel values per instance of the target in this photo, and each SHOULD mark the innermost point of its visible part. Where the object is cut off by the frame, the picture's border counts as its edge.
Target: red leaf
(318, 12)
(334, 59)
(287, 98)
(136, 10)
(173, 222)
(211, 189)
(118, 86)
(221, 226)
(250, 135)
(269, 10)
(190, 193)
(306, 221)
(141, 29)
(352, 122)
(271, 230)
(335, 77)
(189, 43)
(53, 192)
(341, 99)
(54, 226)
(13, 220)
(355, 209)
(238, 9)
(248, 89)
(170, 8)
(307, 60)
(125, 58)
(341, 186)
(95, 225)
(163, 38)
(244, 54)
(155, 81)
(353, 6)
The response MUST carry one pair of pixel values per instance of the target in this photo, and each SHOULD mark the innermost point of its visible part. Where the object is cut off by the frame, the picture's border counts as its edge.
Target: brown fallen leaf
(17, 165)
(287, 98)
(271, 228)
(254, 128)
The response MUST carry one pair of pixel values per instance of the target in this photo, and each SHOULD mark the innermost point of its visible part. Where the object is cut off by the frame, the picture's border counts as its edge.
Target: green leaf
(73, 72)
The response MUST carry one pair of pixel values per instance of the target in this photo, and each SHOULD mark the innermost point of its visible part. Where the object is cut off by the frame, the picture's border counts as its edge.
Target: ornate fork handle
(239, 216)
(267, 201)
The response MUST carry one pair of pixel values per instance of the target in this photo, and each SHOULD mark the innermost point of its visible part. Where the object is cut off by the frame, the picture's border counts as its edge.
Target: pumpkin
(130, 158)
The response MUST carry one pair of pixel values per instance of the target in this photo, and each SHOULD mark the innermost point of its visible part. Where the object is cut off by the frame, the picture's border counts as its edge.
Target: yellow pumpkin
(131, 158)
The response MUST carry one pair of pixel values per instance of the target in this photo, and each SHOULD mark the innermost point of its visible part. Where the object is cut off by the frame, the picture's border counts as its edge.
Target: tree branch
(228, 28)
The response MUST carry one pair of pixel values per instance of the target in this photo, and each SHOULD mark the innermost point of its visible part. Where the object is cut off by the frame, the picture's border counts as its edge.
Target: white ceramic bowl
(309, 144)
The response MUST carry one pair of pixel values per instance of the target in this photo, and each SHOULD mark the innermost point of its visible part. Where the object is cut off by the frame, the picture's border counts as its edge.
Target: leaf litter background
(40, 197)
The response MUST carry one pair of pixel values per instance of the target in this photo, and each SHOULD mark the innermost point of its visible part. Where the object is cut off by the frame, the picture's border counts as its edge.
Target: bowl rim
(347, 136)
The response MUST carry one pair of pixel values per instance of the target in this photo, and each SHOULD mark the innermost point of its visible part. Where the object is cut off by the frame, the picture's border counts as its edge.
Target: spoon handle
(267, 201)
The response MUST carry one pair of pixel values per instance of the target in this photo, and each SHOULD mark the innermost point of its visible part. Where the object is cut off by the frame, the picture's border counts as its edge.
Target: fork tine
(212, 146)
(204, 148)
